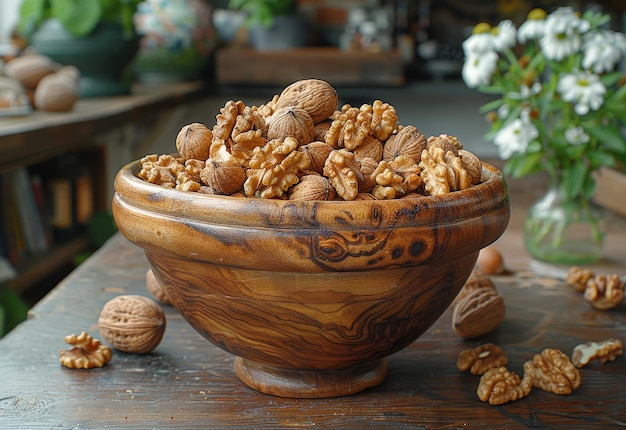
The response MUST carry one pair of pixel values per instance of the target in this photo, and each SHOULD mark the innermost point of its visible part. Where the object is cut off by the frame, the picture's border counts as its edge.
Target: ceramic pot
(310, 296)
(103, 57)
(177, 38)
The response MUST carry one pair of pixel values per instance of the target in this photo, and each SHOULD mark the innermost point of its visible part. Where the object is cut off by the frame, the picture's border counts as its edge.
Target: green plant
(78, 17)
(262, 12)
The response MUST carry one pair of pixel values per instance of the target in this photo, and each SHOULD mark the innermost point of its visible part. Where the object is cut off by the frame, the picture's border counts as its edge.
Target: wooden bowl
(310, 296)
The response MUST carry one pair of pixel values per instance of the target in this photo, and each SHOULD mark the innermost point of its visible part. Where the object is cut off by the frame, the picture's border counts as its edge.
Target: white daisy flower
(576, 136)
(584, 89)
(515, 137)
(478, 69)
(562, 34)
(526, 92)
(480, 41)
(504, 35)
(601, 51)
(534, 27)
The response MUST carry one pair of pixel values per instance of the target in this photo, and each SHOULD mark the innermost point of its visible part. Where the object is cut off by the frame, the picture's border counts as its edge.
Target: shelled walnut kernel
(370, 139)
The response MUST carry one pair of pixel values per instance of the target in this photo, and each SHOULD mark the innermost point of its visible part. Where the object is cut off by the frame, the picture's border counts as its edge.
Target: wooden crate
(237, 66)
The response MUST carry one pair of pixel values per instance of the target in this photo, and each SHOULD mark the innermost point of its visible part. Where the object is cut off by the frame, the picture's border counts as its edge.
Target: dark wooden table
(189, 383)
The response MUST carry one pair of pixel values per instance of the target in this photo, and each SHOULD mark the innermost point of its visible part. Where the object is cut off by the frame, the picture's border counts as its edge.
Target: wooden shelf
(36, 268)
(250, 67)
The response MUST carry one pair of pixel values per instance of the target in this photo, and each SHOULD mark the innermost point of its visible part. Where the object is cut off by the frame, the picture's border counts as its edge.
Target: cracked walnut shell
(553, 371)
(86, 353)
(606, 350)
(132, 323)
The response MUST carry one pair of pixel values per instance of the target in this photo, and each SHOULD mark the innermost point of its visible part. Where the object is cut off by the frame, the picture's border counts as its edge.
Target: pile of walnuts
(298, 146)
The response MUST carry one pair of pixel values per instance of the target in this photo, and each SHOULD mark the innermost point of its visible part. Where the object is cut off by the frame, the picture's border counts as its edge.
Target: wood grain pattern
(299, 287)
(188, 383)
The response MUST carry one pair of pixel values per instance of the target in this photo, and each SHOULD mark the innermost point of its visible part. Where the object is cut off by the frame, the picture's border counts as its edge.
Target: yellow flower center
(537, 14)
(482, 27)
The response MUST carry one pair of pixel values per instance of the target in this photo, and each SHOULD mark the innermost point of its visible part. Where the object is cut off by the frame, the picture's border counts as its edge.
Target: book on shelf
(22, 226)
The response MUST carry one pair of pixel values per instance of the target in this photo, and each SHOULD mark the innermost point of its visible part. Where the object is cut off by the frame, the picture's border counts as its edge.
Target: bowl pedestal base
(299, 383)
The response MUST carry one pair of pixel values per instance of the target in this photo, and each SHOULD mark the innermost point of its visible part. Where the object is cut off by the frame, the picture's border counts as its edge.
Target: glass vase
(563, 230)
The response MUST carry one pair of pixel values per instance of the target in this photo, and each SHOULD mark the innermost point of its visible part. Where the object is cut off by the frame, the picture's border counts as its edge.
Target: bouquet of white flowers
(562, 103)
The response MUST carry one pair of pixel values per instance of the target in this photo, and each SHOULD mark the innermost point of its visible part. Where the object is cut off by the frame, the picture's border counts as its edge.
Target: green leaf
(79, 17)
(492, 105)
(600, 158)
(521, 166)
(15, 310)
(574, 178)
(609, 137)
(32, 13)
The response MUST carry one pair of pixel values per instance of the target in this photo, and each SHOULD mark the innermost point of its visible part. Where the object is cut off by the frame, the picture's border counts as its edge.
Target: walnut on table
(604, 291)
(577, 277)
(553, 371)
(86, 353)
(498, 386)
(481, 359)
(606, 350)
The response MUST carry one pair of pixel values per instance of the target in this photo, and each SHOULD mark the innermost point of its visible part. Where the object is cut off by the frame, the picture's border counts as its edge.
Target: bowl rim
(477, 200)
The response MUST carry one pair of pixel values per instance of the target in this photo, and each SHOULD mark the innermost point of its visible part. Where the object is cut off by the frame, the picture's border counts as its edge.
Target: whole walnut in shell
(291, 122)
(194, 141)
(132, 323)
(315, 96)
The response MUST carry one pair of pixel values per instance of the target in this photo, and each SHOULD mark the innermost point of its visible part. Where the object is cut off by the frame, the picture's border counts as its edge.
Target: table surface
(189, 383)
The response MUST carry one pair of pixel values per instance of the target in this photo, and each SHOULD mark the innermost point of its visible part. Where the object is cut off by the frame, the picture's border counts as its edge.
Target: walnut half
(481, 359)
(553, 371)
(606, 350)
(86, 354)
(498, 386)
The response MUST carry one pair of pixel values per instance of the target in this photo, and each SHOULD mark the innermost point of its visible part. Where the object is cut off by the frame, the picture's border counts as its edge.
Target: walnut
(368, 166)
(344, 172)
(577, 277)
(274, 168)
(384, 119)
(409, 141)
(315, 96)
(86, 353)
(154, 287)
(194, 141)
(443, 172)
(604, 291)
(238, 130)
(161, 170)
(291, 122)
(349, 128)
(474, 283)
(318, 152)
(320, 129)
(312, 187)
(498, 386)
(479, 312)
(606, 350)
(267, 109)
(472, 165)
(370, 148)
(445, 142)
(223, 177)
(552, 371)
(482, 358)
(132, 323)
(395, 178)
